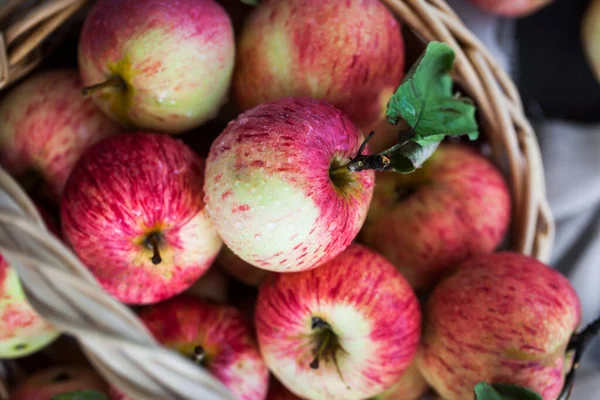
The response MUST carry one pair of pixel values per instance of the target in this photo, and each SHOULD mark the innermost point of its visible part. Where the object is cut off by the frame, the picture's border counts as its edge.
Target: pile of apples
(364, 283)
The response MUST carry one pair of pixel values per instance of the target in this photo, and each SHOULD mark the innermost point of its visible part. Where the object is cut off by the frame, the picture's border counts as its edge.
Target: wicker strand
(117, 344)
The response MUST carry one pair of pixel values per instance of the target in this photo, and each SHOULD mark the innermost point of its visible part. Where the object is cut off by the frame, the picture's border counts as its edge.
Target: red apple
(240, 269)
(426, 222)
(346, 330)
(216, 337)
(56, 380)
(158, 65)
(590, 36)
(511, 8)
(269, 190)
(350, 53)
(133, 212)
(501, 318)
(45, 126)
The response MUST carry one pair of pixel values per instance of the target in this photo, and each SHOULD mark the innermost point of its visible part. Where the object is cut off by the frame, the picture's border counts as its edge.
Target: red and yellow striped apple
(62, 379)
(350, 53)
(216, 337)
(411, 386)
(456, 206)
(158, 65)
(347, 330)
(269, 190)
(133, 212)
(501, 318)
(45, 126)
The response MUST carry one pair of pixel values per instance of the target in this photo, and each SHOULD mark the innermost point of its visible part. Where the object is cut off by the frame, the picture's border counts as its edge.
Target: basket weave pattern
(114, 340)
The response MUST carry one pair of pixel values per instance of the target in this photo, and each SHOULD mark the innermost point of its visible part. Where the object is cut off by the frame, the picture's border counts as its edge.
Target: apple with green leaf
(45, 126)
(133, 211)
(157, 65)
(289, 182)
(350, 53)
(456, 206)
(347, 330)
(501, 318)
(63, 382)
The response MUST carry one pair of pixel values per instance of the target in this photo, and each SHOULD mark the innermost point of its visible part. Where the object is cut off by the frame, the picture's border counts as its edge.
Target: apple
(350, 53)
(500, 318)
(457, 205)
(133, 212)
(590, 36)
(157, 65)
(55, 380)
(213, 285)
(269, 190)
(216, 337)
(411, 386)
(347, 330)
(45, 126)
(511, 8)
(240, 269)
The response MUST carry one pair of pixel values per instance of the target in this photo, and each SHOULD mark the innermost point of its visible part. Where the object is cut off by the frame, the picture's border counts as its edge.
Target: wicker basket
(112, 338)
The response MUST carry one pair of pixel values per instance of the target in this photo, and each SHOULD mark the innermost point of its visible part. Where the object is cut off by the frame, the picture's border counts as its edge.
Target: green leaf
(81, 395)
(426, 102)
(502, 391)
(411, 155)
(251, 2)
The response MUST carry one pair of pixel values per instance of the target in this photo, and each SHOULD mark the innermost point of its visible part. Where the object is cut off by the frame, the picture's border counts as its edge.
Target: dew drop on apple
(260, 198)
(332, 226)
(253, 191)
(258, 237)
(262, 208)
(277, 203)
(237, 183)
(239, 226)
(271, 226)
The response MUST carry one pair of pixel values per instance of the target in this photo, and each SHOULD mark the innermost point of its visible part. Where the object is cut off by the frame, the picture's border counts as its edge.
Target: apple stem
(362, 162)
(115, 82)
(153, 241)
(199, 355)
(327, 345)
(578, 343)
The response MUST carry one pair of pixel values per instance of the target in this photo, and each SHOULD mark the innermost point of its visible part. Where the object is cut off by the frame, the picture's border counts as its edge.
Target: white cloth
(571, 156)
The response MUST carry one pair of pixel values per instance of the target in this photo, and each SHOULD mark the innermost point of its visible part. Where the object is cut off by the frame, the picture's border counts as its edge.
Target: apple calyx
(578, 343)
(326, 346)
(199, 355)
(153, 241)
(114, 82)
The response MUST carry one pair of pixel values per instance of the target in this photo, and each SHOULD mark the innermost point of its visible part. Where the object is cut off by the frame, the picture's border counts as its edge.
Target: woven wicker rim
(114, 340)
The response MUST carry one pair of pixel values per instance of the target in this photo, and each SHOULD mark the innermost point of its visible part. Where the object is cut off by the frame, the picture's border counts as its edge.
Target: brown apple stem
(578, 343)
(199, 355)
(115, 82)
(362, 162)
(153, 241)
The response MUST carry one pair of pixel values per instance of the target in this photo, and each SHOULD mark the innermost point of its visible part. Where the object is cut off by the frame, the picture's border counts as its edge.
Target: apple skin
(57, 380)
(590, 36)
(511, 8)
(411, 386)
(123, 190)
(370, 307)
(501, 318)
(349, 53)
(45, 126)
(268, 188)
(232, 355)
(240, 269)
(460, 206)
(175, 58)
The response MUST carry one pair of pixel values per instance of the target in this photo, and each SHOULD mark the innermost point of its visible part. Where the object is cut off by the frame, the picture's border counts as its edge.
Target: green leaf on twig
(501, 391)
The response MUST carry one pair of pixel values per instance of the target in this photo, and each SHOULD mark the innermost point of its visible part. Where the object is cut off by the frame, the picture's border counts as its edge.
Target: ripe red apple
(133, 211)
(269, 190)
(426, 222)
(49, 382)
(216, 337)
(350, 53)
(590, 36)
(240, 269)
(346, 330)
(45, 126)
(501, 318)
(511, 8)
(158, 65)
